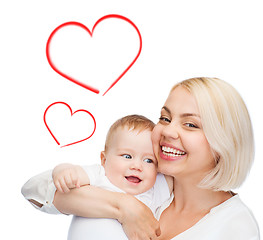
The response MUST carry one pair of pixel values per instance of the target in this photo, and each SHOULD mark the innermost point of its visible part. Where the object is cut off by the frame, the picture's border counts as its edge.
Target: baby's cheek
(153, 176)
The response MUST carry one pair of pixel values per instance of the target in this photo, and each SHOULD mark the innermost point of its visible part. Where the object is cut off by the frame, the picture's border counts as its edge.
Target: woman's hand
(137, 219)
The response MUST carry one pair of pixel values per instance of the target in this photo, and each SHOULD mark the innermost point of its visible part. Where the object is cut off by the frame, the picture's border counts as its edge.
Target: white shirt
(230, 220)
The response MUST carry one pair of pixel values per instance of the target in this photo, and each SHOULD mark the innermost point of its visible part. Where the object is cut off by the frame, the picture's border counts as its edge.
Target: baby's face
(129, 162)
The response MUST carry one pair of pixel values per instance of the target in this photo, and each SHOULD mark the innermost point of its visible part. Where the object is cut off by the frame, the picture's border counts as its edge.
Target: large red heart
(72, 113)
(76, 81)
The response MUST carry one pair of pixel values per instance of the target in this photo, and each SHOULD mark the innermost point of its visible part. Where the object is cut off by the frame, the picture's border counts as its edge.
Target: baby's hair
(228, 129)
(132, 122)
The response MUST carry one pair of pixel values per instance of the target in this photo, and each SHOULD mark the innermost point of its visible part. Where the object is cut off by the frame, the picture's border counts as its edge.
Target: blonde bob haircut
(132, 122)
(227, 127)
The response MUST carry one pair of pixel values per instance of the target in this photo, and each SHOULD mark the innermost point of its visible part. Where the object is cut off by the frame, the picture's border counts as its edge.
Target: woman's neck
(190, 198)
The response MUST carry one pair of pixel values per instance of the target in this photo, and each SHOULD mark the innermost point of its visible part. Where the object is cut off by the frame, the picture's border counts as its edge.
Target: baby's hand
(67, 176)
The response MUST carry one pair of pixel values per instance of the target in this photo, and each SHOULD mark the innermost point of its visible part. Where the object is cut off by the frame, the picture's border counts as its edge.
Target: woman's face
(178, 139)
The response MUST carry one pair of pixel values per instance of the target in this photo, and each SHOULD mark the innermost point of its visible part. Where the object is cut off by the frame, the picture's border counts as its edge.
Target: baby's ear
(103, 158)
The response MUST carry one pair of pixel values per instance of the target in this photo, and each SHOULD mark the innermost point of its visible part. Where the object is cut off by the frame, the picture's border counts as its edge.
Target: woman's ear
(103, 158)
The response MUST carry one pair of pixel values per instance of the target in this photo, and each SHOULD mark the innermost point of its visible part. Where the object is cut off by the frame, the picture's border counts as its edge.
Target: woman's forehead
(180, 100)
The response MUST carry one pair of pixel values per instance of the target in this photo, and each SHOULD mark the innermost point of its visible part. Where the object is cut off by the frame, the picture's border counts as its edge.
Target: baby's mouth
(133, 179)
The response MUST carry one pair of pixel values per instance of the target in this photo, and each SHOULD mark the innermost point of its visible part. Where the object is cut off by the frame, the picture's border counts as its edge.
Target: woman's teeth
(171, 152)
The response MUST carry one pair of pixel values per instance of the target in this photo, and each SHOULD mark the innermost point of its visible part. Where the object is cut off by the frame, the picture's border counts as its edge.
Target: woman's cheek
(156, 136)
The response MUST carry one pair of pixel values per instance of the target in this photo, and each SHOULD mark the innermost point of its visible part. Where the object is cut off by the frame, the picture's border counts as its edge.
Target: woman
(204, 140)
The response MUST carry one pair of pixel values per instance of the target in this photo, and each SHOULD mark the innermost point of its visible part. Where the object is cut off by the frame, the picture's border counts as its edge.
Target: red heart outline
(91, 33)
(80, 110)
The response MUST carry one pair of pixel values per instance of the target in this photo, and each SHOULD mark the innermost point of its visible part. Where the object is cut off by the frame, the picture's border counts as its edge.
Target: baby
(127, 165)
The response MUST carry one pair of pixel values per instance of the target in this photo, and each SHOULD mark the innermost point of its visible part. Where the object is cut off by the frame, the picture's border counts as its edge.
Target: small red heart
(80, 110)
(72, 79)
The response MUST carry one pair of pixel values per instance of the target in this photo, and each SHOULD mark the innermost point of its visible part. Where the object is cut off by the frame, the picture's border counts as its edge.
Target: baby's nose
(136, 164)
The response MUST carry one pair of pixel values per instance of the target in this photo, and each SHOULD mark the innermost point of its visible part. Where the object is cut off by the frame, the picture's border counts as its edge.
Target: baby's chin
(137, 191)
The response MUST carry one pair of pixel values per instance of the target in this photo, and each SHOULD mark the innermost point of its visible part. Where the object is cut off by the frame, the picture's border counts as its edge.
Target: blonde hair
(132, 122)
(228, 129)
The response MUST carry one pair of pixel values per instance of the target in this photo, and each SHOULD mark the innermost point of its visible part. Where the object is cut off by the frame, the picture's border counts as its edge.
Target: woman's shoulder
(234, 206)
(229, 220)
(235, 215)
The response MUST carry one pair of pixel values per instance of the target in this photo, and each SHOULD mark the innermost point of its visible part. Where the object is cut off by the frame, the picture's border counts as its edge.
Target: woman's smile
(171, 153)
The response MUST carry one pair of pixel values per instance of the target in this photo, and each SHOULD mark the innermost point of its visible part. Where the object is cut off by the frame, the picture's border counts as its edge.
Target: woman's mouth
(171, 154)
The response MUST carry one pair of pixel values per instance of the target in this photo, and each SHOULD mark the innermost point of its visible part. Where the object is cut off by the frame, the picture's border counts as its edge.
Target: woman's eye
(128, 156)
(191, 125)
(148, 160)
(164, 119)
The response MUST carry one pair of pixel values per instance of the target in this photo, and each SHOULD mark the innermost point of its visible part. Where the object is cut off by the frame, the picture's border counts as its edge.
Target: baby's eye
(148, 160)
(128, 156)
(164, 119)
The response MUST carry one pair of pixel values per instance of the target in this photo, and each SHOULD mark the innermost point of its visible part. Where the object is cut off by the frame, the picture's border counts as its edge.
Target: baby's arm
(40, 189)
(68, 176)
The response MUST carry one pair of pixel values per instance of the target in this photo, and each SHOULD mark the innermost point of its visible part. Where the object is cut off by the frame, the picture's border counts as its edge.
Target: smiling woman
(204, 140)
(207, 121)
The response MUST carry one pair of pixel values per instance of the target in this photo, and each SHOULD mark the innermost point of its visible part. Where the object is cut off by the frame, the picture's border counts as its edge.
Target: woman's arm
(88, 201)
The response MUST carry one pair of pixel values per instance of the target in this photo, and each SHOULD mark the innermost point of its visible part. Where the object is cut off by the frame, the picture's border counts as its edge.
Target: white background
(181, 39)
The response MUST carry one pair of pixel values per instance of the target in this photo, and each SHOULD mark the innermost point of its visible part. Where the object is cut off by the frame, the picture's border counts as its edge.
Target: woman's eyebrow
(183, 115)
(189, 115)
(166, 109)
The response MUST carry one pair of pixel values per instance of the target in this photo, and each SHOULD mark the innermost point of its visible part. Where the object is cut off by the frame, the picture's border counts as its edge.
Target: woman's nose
(171, 131)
